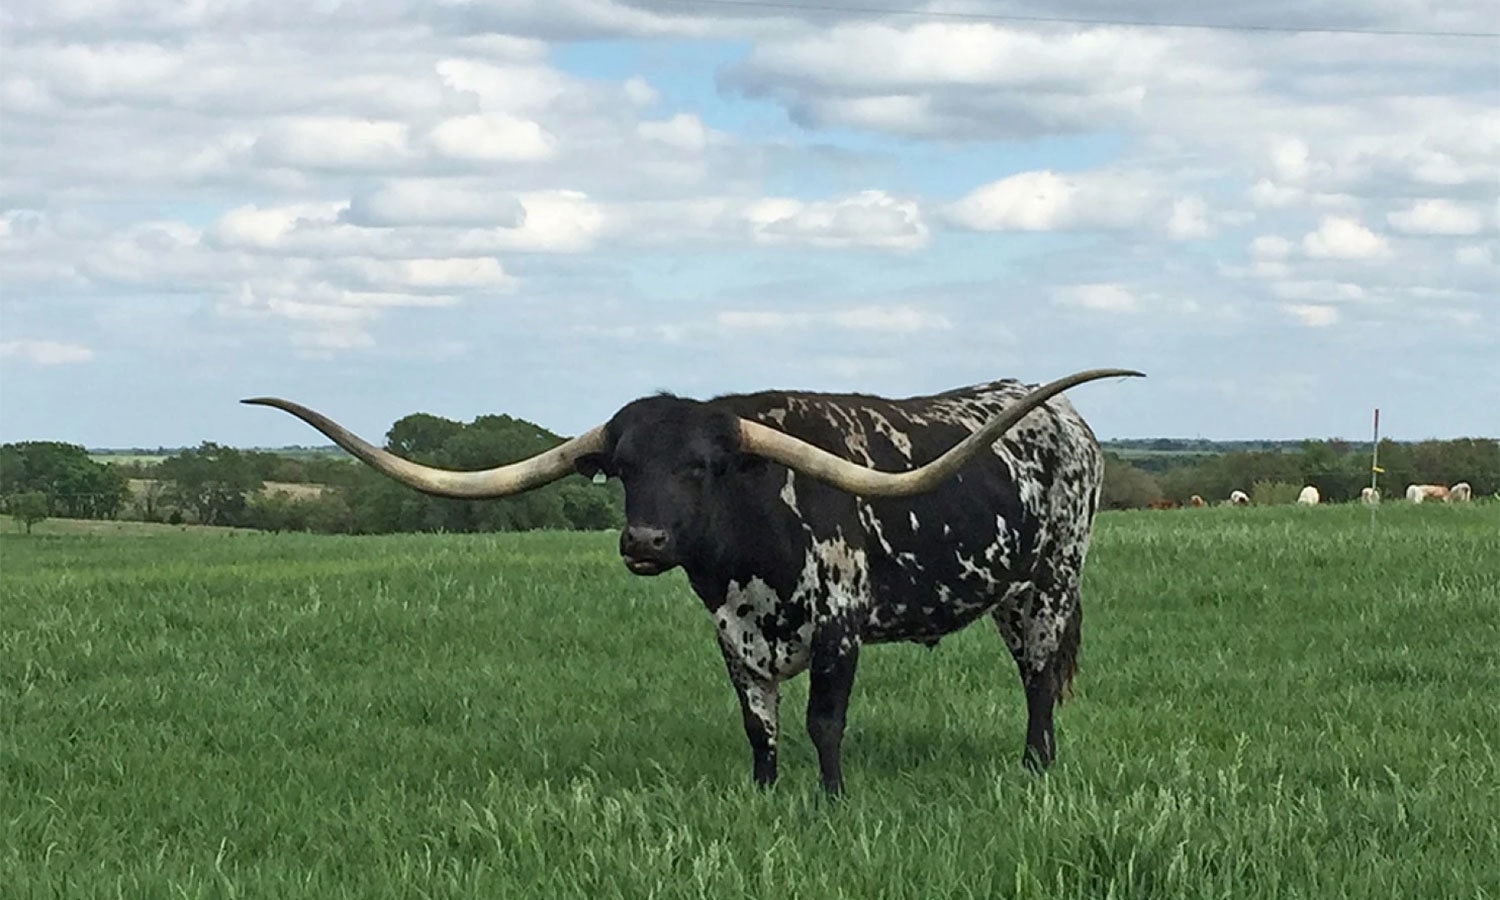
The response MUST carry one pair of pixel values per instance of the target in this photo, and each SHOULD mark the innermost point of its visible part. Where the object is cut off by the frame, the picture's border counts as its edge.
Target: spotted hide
(799, 575)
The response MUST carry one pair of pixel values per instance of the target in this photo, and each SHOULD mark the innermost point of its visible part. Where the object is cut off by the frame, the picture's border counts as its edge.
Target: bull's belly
(918, 621)
(771, 637)
(925, 615)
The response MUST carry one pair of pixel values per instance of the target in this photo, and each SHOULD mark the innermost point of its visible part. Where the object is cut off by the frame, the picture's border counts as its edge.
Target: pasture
(1272, 702)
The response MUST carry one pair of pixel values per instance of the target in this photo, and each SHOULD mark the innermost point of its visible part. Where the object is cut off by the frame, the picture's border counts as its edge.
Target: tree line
(213, 484)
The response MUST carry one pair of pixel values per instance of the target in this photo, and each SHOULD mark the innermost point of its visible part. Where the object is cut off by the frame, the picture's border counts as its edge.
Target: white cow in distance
(1309, 496)
(1370, 496)
(1459, 493)
(1419, 493)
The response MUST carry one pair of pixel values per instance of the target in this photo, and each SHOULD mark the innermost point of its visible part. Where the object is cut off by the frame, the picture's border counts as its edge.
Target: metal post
(1375, 469)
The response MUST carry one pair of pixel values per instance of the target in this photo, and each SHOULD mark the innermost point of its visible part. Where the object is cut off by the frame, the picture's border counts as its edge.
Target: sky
(547, 208)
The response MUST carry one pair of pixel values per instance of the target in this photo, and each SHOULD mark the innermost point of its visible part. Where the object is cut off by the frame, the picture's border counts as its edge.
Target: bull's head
(669, 454)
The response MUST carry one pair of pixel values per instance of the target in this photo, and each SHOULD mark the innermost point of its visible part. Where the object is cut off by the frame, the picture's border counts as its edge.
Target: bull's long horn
(857, 479)
(545, 467)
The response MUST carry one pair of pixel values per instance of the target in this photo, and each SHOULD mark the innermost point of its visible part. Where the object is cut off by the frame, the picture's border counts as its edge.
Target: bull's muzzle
(646, 550)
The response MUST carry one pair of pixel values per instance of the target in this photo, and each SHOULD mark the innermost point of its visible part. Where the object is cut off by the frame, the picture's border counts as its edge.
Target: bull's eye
(697, 468)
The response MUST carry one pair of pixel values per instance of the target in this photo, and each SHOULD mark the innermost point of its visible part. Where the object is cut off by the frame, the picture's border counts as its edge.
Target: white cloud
(1438, 217)
(932, 78)
(430, 274)
(1112, 298)
(1189, 220)
(329, 142)
(1320, 292)
(683, 131)
(493, 137)
(517, 88)
(866, 219)
(548, 222)
(1289, 160)
(1271, 247)
(1047, 201)
(893, 319)
(1339, 237)
(112, 71)
(446, 202)
(46, 353)
(1312, 315)
(1474, 255)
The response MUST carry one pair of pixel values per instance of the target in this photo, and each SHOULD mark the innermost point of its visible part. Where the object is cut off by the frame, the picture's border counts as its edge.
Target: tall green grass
(1272, 703)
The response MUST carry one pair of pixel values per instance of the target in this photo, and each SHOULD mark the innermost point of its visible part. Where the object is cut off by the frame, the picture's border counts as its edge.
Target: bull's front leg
(835, 656)
(760, 700)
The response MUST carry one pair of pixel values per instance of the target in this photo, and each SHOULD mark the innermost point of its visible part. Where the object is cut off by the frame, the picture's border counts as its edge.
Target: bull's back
(979, 530)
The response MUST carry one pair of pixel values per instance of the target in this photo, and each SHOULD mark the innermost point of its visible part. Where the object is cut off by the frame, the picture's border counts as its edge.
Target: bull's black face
(674, 457)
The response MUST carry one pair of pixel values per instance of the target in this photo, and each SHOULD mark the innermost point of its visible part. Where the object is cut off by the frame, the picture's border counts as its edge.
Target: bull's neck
(750, 533)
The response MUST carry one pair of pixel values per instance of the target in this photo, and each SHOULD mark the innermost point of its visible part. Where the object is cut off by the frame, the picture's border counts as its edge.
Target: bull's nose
(643, 540)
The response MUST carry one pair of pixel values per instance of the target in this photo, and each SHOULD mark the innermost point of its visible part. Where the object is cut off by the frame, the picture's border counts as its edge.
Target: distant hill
(1127, 447)
(157, 454)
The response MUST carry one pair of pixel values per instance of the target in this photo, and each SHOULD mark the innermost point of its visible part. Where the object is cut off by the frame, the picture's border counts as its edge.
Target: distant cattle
(1420, 493)
(1309, 496)
(1370, 496)
(1196, 500)
(1460, 493)
(1162, 503)
(1239, 498)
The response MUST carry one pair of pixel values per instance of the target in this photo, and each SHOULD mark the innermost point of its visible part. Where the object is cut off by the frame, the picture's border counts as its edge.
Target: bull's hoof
(1035, 763)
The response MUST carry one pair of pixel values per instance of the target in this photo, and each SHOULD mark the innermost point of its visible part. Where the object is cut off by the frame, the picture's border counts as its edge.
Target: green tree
(74, 485)
(1337, 473)
(1125, 486)
(1274, 493)
(212, 481)
(592, 507)
(1475, 460)
(421, 437)
(149, 499)
(328, 513)
(27, 508)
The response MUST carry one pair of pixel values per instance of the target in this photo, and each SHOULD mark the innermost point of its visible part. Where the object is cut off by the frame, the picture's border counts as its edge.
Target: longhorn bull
(812, 524)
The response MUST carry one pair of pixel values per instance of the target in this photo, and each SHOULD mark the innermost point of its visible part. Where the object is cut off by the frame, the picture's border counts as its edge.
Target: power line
(1069, 20)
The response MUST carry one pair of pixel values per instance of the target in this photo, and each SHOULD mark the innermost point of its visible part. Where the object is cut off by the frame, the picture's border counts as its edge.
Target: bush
(1273, 493)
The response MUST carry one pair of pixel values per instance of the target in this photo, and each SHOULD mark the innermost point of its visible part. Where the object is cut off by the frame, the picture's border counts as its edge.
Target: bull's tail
(1066, 659)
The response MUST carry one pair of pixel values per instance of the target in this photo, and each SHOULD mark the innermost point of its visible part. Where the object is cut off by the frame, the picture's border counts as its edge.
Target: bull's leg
(1041, 696)
(760, 700)
(1042, 633)
(835, 656)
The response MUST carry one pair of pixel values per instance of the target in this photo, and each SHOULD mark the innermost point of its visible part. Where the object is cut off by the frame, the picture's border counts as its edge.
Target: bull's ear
(593, 465)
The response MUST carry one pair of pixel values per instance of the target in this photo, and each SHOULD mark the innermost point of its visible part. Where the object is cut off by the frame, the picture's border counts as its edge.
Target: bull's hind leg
(834, 659)
(1042, 633)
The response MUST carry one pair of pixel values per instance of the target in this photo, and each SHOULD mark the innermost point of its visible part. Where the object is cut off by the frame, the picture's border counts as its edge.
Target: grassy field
(118, 528)
(1273, 702)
